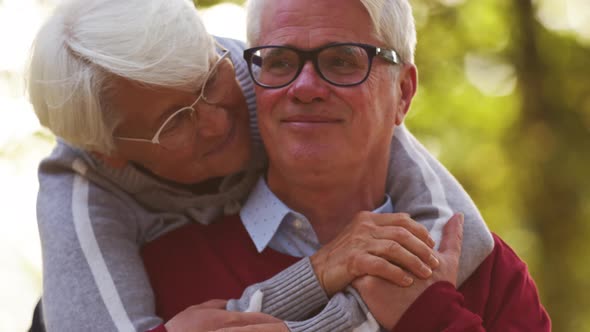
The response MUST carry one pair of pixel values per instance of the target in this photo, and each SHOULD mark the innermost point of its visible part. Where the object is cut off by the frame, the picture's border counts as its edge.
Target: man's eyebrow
(276, 51)
(330, 43)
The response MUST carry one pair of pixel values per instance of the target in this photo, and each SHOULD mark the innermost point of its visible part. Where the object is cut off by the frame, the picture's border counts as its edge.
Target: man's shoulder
(503, 255)
(498, 269)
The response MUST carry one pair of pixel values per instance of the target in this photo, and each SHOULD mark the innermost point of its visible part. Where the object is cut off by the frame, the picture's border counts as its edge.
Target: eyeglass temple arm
(389, 55)
(153, 141)
(257, 60)
(220, 46)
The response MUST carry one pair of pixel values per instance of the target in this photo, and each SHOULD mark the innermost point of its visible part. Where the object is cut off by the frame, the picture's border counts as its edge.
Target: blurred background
(503, 102)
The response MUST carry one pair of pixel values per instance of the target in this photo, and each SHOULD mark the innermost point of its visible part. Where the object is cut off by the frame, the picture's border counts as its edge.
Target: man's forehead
(311, 23)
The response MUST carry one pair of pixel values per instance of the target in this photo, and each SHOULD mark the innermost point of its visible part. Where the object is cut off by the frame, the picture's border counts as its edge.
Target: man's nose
(212, 121)
(308, 86)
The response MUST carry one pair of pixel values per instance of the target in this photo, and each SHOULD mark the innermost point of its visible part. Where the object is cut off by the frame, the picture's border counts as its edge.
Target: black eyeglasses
(340, 64)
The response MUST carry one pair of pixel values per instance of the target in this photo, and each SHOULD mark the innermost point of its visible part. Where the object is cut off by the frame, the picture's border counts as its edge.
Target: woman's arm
(421, 186)
(93, 277)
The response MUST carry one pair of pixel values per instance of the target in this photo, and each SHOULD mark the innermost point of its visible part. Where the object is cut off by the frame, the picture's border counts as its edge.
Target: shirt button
(298, 224)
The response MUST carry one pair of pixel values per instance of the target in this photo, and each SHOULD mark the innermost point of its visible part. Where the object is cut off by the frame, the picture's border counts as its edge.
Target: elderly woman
(155, 126)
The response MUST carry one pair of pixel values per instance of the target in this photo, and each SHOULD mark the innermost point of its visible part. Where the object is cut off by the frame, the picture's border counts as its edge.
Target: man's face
(311, 125)
(221, 142)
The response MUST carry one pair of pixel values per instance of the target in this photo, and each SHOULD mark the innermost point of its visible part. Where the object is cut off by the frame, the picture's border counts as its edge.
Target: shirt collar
(386, 207)
(264, 212)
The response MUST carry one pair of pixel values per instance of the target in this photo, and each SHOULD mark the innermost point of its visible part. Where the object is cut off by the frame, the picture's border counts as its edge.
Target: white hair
(392, 19)
(85, 44)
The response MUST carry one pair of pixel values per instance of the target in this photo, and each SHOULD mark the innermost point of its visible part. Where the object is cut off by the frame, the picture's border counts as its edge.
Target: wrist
(317, 262)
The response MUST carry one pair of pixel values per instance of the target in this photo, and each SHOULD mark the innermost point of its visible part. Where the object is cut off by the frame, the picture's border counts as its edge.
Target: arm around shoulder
(93, 278)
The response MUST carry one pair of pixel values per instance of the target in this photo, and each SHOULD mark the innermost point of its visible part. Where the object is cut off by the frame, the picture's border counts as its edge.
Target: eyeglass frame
(388, 55)
(156, 138)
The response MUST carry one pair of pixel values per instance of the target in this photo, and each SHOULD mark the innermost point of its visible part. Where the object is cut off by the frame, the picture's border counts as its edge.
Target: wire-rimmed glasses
(340, 64)
(179, 129)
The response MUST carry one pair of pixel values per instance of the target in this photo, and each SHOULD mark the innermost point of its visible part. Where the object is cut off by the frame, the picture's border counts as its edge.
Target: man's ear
(113, 161)
(408, 83)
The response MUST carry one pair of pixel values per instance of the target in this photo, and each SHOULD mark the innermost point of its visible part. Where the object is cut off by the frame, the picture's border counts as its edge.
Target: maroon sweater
(197, 263)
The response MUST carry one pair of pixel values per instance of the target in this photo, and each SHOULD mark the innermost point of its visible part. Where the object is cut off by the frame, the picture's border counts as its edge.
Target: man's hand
(211, 316)
(380, 245)
(388, 302)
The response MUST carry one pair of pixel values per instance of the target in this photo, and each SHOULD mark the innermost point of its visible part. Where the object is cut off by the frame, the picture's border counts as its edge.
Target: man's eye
(343, 62)
(278, 64)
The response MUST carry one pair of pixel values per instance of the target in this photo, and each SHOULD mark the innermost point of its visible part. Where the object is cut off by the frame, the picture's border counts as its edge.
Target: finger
(378, 267)
(212, 304)
(275, 327)
(410, 242)
(387, 219)
(452, 236)
(250, 318)
(404, 220)
(396, 253)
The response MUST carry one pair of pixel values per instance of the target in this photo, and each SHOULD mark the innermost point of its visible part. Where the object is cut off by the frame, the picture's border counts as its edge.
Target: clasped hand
(388, 302)
(390, 246)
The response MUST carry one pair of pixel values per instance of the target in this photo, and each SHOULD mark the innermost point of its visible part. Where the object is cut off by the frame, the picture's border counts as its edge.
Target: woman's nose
(212, 121)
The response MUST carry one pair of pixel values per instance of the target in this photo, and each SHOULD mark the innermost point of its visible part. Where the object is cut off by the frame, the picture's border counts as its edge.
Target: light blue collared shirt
(270, 223)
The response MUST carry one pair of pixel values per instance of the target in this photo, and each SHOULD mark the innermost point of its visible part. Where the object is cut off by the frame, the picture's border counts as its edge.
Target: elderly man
(334, 78)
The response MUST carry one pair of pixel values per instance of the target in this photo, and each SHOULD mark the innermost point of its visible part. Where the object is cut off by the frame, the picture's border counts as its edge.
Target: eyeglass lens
(339, 64)
(180, 130)
(214, 89)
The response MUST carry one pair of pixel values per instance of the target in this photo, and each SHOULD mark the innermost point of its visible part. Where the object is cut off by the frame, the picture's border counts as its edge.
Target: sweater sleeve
(346, 311)
(93, 277)
(500, 296)
(421, 186)
(444, 306)
(292, 294)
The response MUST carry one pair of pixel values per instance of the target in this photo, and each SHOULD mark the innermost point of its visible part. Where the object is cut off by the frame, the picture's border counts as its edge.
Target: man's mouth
(310, 119)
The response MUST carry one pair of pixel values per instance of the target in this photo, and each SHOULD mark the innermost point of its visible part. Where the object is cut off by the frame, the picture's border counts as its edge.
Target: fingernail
(431, 242)
(408, 281)
(425, 270)
(433, 262)
(461, 218)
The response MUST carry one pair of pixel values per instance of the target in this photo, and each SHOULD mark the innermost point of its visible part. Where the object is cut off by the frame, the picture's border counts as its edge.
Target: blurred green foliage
(505, 105)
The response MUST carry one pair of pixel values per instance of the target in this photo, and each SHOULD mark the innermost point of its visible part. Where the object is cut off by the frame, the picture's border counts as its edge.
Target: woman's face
(215, 139)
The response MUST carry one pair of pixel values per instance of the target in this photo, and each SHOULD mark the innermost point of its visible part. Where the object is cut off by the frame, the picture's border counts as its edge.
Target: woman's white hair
(85, 44)
(392, 19)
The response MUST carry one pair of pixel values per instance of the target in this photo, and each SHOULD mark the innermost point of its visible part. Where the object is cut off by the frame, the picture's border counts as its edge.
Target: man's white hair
(392, 19)
(85, 44)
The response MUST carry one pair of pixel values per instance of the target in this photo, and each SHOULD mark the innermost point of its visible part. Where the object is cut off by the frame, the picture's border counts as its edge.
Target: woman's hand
(380, 245)
(211, 316)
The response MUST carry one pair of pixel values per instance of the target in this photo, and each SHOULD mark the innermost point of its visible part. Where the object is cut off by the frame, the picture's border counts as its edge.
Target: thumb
(452, 238)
